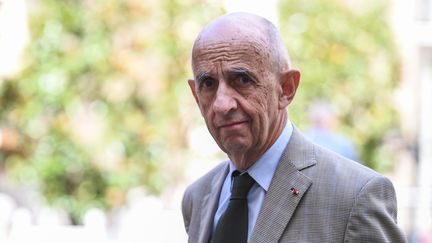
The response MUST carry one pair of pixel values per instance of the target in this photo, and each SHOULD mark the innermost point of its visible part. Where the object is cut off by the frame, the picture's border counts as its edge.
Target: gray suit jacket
(339, 200)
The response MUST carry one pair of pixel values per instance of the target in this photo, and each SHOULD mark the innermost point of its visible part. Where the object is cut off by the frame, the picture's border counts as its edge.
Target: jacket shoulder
(204, 183)
(195, 193)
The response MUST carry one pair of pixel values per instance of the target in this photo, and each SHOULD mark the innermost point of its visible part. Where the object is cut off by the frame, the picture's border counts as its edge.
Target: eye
(243, 79)
(208, 83)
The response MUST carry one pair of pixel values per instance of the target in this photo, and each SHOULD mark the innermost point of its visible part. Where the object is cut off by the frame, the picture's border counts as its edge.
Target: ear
(290, 81)
(191, 83)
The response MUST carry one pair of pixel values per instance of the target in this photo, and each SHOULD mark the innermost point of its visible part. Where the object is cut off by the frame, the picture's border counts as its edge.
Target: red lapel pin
(295, 191)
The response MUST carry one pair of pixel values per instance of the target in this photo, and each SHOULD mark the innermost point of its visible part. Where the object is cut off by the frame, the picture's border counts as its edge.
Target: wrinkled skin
(241, 96)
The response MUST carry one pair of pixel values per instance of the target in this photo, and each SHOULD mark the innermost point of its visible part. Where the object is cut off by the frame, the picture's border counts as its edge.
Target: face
(240, 97)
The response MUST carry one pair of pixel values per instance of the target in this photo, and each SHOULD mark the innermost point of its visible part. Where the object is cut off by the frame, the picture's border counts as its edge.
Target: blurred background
(99, 134)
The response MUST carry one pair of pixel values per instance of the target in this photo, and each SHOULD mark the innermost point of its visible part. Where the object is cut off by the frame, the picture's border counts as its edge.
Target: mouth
(232, 124)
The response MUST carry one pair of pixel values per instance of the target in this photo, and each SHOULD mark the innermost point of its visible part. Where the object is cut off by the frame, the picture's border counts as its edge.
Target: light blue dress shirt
(262, 172)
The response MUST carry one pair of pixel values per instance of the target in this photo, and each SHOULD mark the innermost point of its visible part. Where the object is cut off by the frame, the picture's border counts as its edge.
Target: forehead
(244, 53)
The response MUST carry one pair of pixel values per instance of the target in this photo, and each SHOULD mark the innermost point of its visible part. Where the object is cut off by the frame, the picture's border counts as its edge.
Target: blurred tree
(100, 108)
(347, 56)
(94, 112)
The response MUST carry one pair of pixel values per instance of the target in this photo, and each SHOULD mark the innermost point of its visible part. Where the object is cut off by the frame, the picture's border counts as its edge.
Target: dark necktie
(233, 224)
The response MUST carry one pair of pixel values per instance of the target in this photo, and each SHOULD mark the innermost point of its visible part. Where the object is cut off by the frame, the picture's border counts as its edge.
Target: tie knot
(241, 185)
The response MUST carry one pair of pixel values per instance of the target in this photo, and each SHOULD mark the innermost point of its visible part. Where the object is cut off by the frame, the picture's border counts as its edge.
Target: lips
(231, 124)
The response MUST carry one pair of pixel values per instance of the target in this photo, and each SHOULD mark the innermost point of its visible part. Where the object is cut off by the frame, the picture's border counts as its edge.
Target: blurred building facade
(412, 25)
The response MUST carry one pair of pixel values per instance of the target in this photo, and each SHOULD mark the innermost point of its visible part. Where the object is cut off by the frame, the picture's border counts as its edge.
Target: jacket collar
(287, 188)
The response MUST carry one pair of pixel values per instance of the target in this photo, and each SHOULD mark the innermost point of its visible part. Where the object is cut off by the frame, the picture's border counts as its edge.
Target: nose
(224, 100)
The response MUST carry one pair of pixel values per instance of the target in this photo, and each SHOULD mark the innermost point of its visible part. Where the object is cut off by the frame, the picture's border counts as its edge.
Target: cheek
(204, 105)
(270, 100)
(262, 102)
(208, 115)
(256, 108)
(262, 109)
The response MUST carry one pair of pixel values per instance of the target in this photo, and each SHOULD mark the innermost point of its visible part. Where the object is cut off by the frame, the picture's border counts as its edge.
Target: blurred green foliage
(95, 106)
(99, 107)
(346, 54)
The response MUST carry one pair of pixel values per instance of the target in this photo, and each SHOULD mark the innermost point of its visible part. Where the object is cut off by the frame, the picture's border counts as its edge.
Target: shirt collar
(263, 169)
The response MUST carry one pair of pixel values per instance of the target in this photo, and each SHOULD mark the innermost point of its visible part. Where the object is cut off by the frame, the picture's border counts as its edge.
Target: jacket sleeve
(373, 216)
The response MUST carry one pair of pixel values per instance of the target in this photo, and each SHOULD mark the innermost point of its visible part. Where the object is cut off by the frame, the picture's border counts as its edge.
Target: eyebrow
(233, 72)
(239, 70)
(202, 76)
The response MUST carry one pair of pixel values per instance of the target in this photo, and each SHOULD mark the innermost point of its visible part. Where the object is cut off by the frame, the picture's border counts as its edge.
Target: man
(324, 130)
(293, 190)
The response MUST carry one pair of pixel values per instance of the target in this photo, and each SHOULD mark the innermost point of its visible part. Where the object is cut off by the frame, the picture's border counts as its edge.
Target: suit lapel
(209, 205)
(280, 202)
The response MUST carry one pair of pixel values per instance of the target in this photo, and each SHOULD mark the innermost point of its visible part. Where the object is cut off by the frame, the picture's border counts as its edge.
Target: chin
(235, 147)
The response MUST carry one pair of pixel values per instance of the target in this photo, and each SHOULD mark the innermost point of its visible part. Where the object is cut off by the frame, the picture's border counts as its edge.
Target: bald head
(248, 29)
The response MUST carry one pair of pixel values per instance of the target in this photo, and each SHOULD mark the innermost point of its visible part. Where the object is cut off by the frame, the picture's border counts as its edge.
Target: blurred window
(424, 10)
